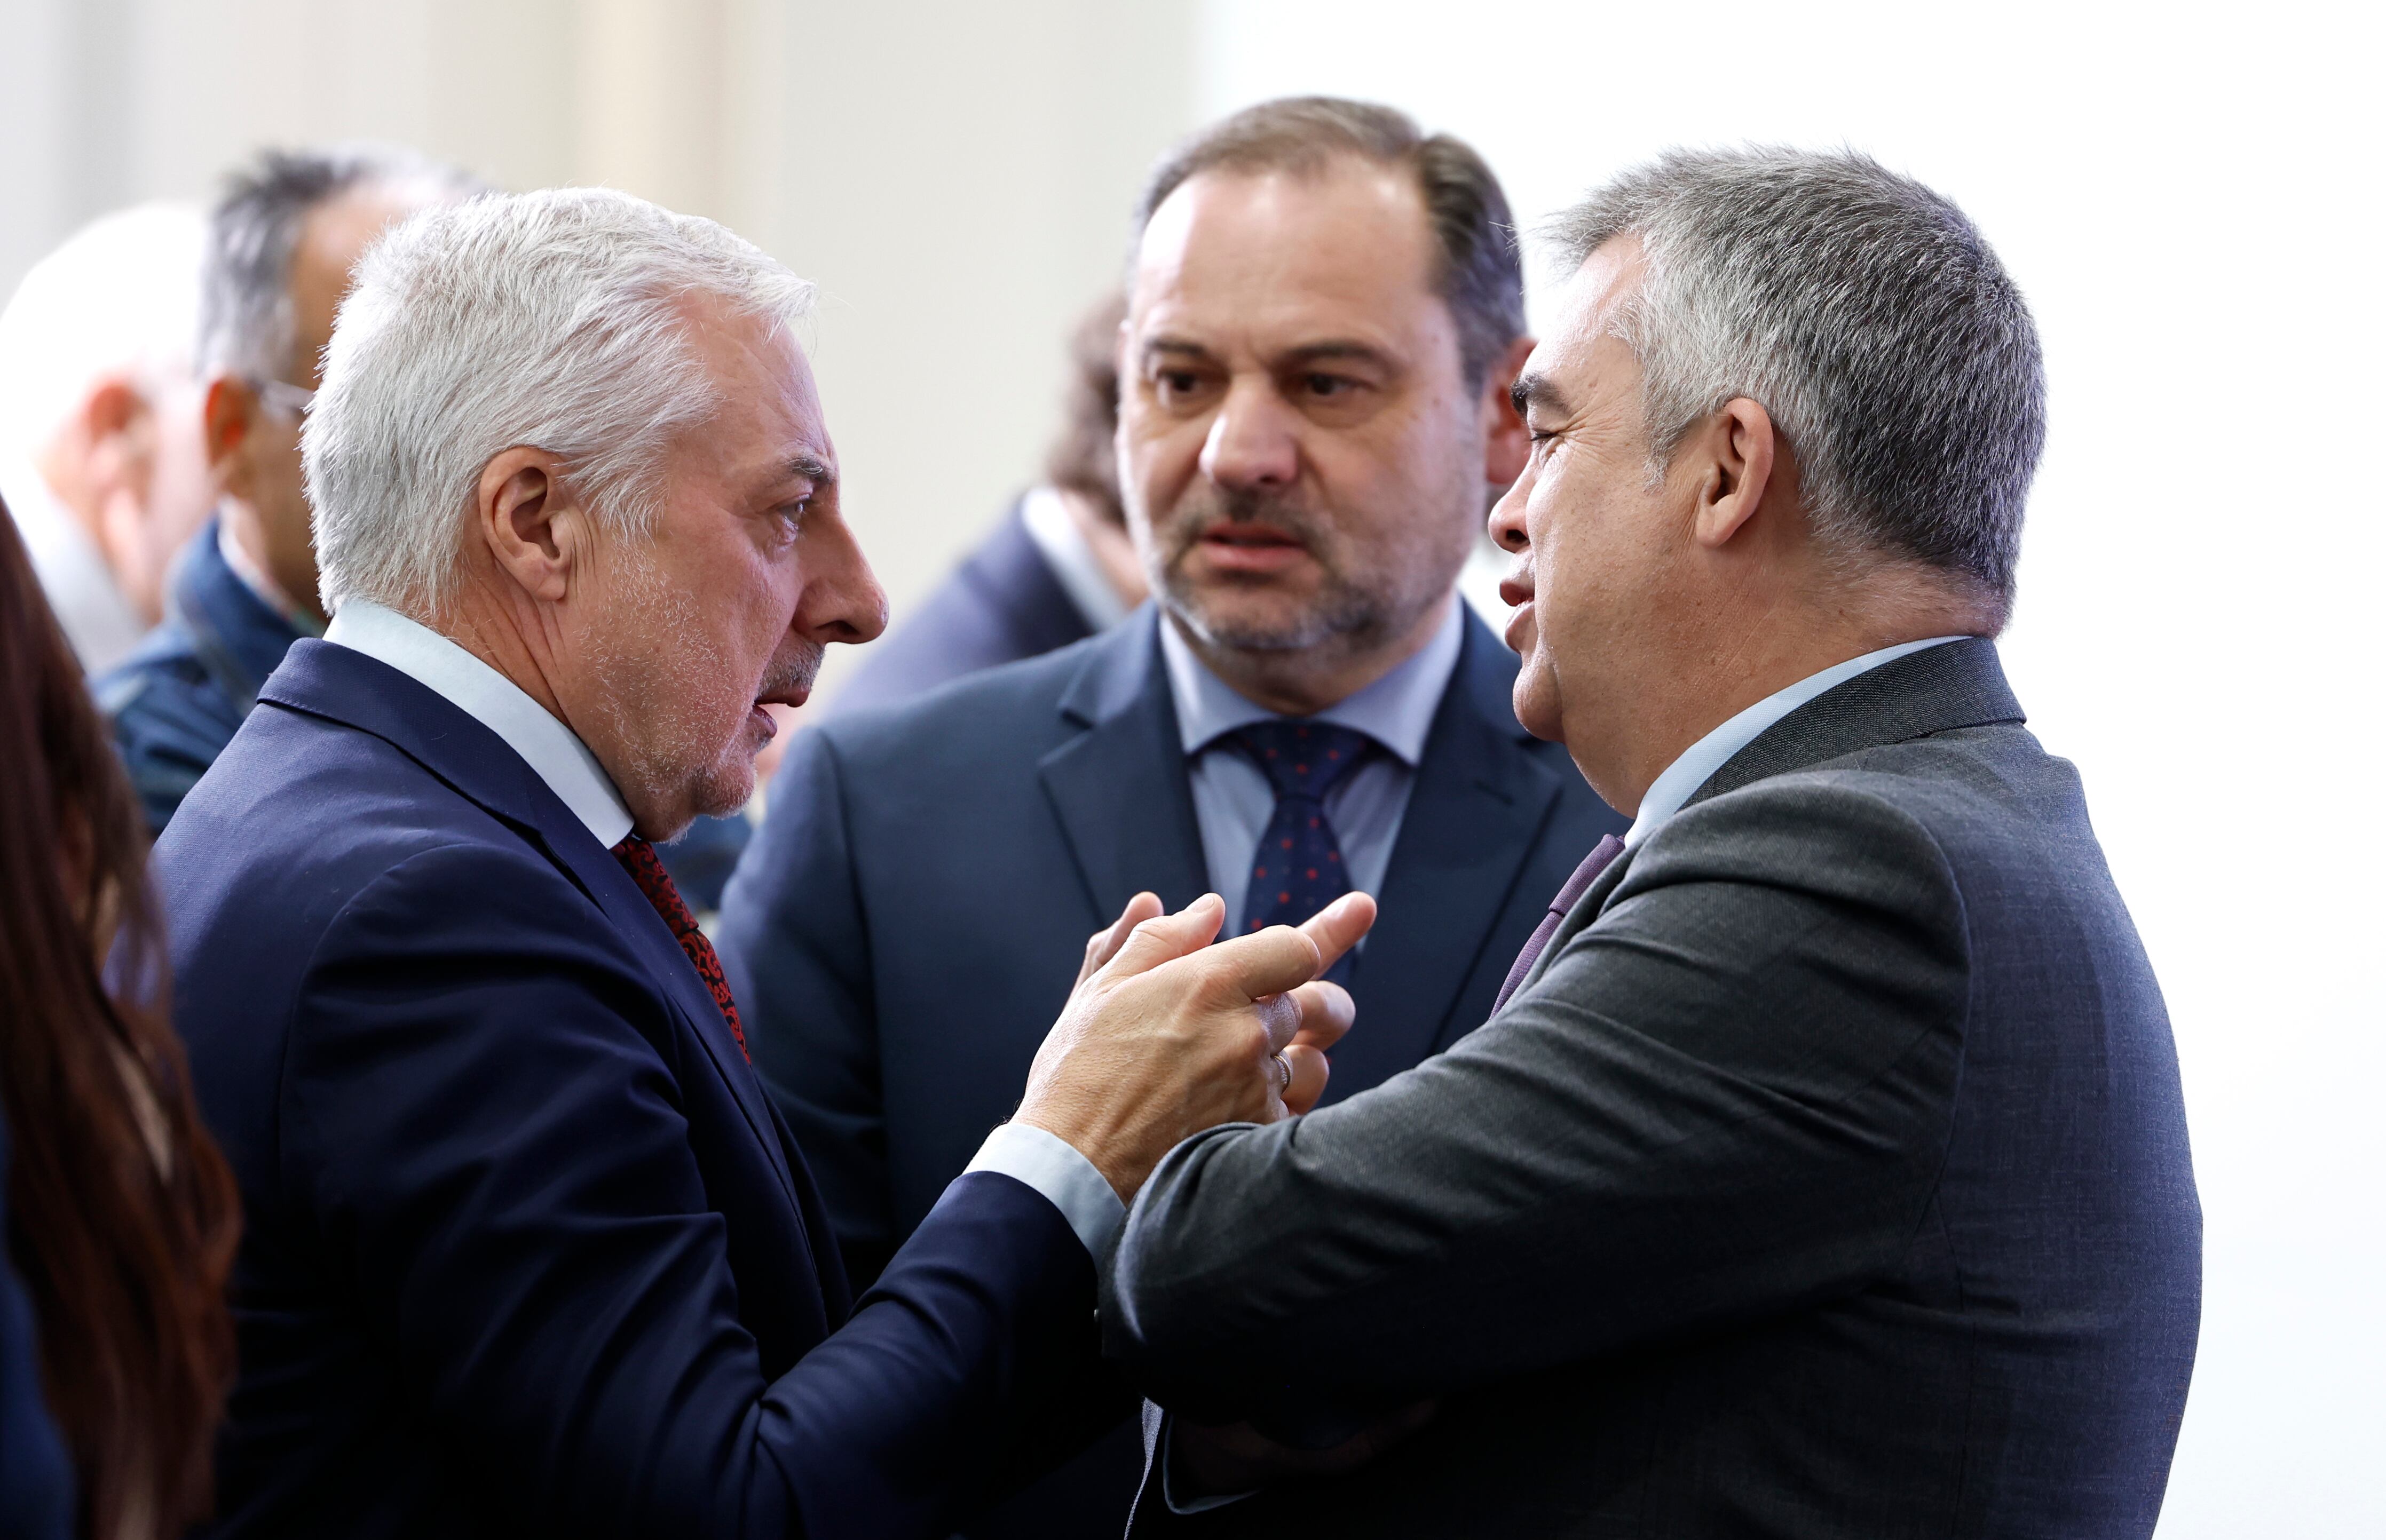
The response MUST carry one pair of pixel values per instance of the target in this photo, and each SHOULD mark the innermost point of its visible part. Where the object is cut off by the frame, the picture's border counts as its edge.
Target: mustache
(1282, 513)
(790, 673)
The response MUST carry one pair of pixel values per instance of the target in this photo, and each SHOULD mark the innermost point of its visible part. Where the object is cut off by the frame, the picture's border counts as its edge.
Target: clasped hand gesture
(1166, 1034)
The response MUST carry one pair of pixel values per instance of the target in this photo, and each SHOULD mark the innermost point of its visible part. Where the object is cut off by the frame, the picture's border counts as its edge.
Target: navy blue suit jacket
(905, 928)
(1001, 604)
(527, 1250)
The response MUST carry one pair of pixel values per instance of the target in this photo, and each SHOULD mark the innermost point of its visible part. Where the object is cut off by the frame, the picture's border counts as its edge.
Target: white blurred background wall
(2188, 195)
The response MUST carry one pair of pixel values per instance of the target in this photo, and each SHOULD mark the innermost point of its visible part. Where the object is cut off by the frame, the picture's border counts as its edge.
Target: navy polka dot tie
(1297, 868)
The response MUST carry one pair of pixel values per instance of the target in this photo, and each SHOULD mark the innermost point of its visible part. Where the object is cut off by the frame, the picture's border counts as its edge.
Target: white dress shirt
(1233, 799)
(1044, 1162)
(1698, 763)
(100, 622)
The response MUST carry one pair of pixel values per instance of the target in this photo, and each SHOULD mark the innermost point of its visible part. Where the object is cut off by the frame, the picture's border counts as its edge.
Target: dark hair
(246, 326)
(1479, 275)
(1084, 459)
(123, 1217)
(1866, 313)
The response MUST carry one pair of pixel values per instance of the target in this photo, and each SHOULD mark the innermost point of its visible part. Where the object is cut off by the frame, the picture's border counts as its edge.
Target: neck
(251, 556)
(1721, 671)
(1301, 682)
(495, 629)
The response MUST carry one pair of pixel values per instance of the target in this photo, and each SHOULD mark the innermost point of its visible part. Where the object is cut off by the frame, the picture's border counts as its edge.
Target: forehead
(1581, 334)
(770, 403)
(1346, 246)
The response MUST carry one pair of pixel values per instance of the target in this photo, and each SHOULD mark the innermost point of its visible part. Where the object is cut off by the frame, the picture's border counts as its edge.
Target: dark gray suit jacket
(1828, 1177)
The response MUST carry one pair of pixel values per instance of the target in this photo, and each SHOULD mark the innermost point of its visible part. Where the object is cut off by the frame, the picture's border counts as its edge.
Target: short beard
(1343, 614)
(672, 760)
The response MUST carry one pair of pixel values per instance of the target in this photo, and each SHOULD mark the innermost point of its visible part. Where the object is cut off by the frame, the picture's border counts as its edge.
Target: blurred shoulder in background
(1058, 567)
(100, 456)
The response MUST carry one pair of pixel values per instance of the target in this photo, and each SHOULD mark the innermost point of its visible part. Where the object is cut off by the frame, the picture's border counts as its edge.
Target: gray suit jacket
(1827, 1176)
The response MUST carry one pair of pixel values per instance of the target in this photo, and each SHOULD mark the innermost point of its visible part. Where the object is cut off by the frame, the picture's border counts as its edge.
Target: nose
(842, 600)
(1252, 446)
(1507, 522)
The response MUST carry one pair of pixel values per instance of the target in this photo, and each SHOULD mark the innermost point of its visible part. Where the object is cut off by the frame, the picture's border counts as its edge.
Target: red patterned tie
(646, 868)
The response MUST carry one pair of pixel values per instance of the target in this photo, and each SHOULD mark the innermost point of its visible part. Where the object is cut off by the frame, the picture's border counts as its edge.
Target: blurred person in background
(102, 455)
(122, 1217)
(1823, 1171)
(1059, 569)
(280, 244)
(1326, 313)
(528, 1252)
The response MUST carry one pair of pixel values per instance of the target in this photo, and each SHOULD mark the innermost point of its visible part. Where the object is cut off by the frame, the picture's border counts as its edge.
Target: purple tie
(1576, 886)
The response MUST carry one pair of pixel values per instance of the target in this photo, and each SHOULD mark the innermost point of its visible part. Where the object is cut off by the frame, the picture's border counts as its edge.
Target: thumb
(1167, 937)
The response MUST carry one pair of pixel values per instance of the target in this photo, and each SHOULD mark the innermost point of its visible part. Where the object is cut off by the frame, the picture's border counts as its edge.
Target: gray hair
(555, 319)
(247, 325)
(1866, 313)
(1478, 274)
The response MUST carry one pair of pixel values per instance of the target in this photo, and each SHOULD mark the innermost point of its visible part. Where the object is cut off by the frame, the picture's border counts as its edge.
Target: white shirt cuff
(1067, 1180)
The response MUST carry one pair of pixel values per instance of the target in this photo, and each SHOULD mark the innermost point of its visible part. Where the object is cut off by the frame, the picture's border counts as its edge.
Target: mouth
(1243, 547)
(759, 712)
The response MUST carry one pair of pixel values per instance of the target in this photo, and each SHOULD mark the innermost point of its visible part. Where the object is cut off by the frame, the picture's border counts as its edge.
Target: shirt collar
(496, 702)
(1396, 710)
(1701, 760)
(1074, 564)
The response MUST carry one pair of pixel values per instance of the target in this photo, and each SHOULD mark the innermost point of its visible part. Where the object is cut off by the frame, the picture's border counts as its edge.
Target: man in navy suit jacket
(1325, 314)
(528, 1251)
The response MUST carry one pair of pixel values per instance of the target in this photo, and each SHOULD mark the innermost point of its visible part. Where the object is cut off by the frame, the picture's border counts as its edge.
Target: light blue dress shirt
(1231, 799)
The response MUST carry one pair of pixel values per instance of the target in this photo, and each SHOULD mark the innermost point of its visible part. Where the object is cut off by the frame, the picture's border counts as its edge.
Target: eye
(1326, 387)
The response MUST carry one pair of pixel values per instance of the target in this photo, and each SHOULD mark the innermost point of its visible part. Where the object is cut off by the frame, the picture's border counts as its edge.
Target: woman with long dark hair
(123, 1215)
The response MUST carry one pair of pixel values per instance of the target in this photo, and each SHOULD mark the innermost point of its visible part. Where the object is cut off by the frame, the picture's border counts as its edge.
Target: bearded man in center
(1325, 314)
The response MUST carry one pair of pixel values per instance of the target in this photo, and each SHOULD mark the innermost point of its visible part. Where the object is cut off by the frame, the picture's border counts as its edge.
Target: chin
(1536, 702)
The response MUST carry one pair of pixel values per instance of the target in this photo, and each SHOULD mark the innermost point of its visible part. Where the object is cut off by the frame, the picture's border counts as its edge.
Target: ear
(530, 520)
(119, 440)
(228, 416)
(1507, 445)
(1736, 451)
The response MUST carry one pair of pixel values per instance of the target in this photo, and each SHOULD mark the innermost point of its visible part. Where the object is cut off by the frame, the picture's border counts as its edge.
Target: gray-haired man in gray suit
(1822, 1170)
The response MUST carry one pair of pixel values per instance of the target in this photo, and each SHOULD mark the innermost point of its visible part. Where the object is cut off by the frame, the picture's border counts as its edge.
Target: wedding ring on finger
(1283, 1074)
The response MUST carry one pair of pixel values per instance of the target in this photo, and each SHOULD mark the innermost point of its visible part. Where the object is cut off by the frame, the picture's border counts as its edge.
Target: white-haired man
(527, 1249)
(102, 456)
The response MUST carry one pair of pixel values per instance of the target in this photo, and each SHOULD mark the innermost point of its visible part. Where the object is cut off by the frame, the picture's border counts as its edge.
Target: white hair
(122, 295)
(555, 320)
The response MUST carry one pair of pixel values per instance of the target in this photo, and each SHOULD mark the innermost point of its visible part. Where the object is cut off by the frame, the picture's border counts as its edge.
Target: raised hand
(1166, 1034)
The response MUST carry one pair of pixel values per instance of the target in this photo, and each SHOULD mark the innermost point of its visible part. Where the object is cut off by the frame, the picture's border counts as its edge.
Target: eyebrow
(1533, 389)
(806, 466)
(1308, 353)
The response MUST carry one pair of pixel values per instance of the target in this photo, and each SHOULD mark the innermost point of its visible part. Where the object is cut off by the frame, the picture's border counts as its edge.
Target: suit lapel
(1119, 787)
(1940, 689)
(345, 686)
(1473, 821)
(604, 880)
